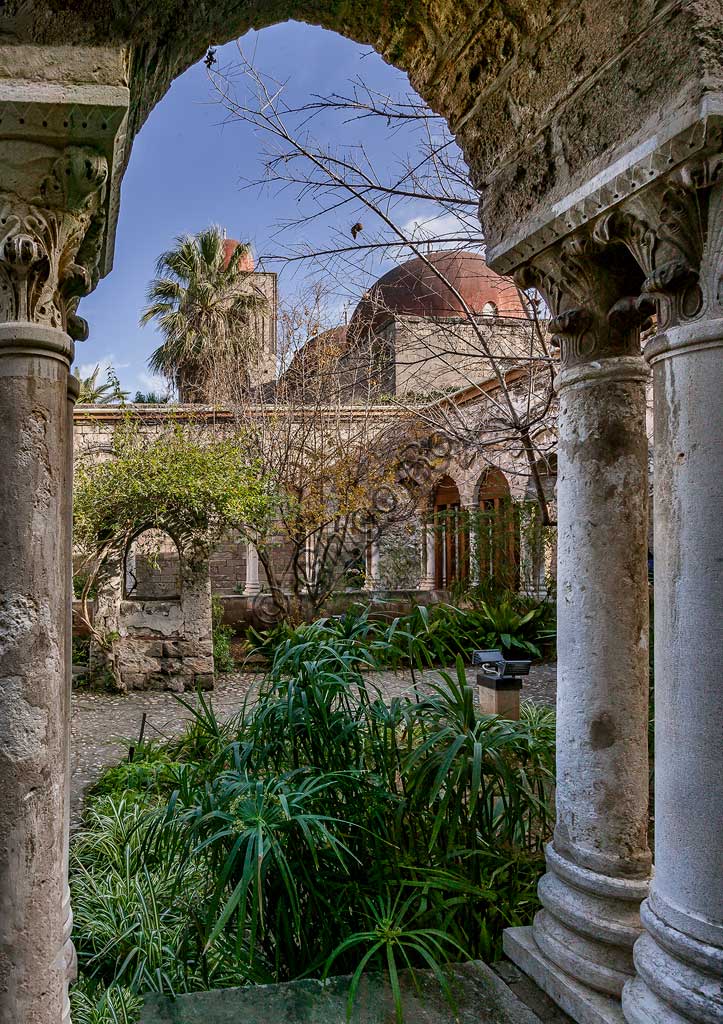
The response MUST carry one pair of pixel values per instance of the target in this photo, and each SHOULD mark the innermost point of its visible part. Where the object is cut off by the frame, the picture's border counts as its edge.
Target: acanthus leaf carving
(681, 221)
(49, 245)
(593, 315)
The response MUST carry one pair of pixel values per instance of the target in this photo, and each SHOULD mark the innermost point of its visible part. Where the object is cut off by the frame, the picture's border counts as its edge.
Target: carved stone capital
(594, 298)
(62, 150)
(52, 219)
(674, 230)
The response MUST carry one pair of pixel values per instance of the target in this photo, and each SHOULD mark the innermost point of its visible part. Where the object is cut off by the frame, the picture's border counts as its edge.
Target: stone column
(310, 559)
(679, 958)
(34, 671)
(428, 579)
(252, 586)
(474, 566)
(580, 947)
(55, 209)
(373, 554)
(71, 963)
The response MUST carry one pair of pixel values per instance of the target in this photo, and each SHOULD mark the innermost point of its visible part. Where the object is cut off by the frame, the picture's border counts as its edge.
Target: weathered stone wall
(436, 353)
(541, 96)
(158, 644)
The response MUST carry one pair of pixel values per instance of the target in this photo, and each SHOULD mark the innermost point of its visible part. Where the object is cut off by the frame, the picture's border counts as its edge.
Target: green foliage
(321, 829)
(93, 1004)
(95, 392)
(177, 481)
(151, 398)
(79, 581)
(223, 660)
(434, 635)
(81, 650)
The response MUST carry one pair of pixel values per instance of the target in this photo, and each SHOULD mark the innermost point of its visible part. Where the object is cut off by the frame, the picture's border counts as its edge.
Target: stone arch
(451, 535)
(496, 529)
(152, 567)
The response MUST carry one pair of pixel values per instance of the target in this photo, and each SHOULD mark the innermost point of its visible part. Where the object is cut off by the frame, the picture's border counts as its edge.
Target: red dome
(229, 247)
(414, 289)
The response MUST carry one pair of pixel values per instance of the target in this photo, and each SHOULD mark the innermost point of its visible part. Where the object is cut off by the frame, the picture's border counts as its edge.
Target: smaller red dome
(229, 248)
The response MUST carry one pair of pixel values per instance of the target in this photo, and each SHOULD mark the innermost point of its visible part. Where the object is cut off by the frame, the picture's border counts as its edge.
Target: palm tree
(202, 301)
(92, 392)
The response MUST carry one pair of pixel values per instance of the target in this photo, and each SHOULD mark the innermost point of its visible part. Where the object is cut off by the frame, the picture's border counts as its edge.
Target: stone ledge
(582, 1004)
(482, 998)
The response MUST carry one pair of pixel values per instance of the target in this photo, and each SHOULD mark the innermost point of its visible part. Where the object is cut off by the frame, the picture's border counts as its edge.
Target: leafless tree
(328, 450)
(502, 399)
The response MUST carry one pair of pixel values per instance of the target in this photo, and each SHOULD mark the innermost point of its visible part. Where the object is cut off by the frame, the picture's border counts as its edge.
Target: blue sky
(185, 173)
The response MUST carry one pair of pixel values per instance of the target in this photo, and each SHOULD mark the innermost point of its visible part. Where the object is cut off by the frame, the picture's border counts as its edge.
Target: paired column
(35, 465)
(598, 864)
(474, 566)
(679, 957)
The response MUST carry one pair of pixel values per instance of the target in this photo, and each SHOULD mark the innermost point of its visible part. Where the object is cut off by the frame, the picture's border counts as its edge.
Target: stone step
(482, 997)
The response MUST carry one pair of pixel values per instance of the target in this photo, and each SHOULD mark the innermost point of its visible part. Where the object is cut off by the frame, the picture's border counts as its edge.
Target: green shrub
(223, 660)
(321, 829)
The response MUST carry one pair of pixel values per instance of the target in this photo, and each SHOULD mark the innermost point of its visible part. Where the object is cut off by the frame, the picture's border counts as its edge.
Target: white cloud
(434, 230)
(104, 362)
(152, 382)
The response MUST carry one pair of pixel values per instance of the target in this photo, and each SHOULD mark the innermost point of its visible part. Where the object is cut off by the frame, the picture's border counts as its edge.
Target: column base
(577, 1000)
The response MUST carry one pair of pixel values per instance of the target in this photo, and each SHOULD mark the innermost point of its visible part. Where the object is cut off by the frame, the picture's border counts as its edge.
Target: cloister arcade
(595, 132)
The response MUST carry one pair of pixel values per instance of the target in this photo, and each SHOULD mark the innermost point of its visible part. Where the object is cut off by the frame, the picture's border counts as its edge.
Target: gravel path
(101, 721)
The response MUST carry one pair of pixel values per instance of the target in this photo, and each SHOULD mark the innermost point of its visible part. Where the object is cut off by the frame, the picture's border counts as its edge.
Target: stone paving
(101, 722)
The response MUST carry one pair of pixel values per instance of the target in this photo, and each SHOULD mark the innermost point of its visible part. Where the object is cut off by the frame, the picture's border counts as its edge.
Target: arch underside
(540, 96)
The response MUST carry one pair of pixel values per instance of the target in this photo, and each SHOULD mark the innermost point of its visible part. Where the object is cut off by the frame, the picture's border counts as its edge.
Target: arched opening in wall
(489, 309)
(497, 532)
(539, 542)
(451, 559)
(152, 568)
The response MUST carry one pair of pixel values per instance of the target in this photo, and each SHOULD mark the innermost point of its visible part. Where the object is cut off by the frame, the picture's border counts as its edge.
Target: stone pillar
(252, 586)
(580, 947)
(59, 150)
(679, 958)
(373, 554)
(428, 579)
(474, 566)
(71, 963)
(34, 672)
(310, 559)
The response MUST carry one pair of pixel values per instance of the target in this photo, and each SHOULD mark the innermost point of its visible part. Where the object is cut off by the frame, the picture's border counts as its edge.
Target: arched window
(152, 567)
(451, 541)
(489, 309)
(497, 543)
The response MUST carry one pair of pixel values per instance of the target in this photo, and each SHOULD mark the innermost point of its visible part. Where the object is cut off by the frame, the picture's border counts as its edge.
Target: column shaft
(598, 864)
(679, 959)
(372, 580)
(428, 580)
(34, 672)
(252, 570)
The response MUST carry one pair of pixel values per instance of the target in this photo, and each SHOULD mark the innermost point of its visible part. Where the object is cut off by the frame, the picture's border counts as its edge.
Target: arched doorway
(450, 531)
(497, 532)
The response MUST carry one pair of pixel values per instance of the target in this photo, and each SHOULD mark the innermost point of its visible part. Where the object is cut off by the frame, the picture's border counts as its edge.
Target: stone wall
(437, 353)
(158, 644)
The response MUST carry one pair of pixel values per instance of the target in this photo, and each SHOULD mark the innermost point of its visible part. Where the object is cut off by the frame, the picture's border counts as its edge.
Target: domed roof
(415, 288)
(316, 353)
(229, 248)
